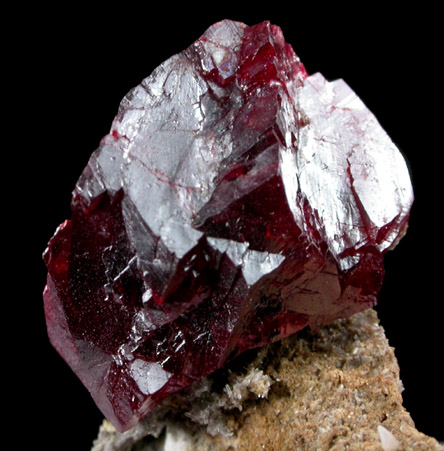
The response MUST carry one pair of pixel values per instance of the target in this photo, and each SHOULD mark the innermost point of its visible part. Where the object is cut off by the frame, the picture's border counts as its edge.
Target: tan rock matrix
(334, 388)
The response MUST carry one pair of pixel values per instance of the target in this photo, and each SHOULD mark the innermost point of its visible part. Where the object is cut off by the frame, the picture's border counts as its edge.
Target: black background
(68, 71)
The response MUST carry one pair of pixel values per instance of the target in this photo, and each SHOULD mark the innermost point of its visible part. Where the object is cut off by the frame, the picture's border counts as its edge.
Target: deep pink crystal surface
(235, 201)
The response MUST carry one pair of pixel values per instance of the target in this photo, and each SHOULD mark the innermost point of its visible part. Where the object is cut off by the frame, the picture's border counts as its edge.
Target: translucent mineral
(235, 201)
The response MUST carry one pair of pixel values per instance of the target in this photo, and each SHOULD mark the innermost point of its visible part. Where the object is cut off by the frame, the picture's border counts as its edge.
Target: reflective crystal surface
(235, 201)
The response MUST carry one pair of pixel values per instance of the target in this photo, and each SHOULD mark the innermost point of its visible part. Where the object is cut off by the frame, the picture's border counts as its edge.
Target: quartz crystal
(235, 201)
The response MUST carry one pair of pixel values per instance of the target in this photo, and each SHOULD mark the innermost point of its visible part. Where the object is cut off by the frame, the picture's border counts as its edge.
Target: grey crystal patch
(149, 376)
(254, 264)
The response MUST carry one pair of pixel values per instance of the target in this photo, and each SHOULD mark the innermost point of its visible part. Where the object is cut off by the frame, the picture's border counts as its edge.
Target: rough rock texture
(335, 388)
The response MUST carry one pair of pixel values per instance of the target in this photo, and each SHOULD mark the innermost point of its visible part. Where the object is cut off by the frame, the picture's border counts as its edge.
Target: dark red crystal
(235, 201)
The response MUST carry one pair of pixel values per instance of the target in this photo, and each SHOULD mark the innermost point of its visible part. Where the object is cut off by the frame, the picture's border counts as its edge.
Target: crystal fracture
(235, 201)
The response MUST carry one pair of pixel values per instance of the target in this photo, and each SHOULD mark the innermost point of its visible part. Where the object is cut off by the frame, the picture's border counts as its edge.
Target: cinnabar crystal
(235, 201)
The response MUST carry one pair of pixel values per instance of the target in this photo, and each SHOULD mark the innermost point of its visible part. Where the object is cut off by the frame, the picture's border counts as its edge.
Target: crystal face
(235, 201)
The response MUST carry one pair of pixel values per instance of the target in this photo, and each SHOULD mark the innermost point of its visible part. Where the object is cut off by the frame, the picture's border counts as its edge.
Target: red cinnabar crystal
(235, 201)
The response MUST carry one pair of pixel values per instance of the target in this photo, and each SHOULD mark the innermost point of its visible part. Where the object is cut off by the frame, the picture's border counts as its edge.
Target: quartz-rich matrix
(235, 201)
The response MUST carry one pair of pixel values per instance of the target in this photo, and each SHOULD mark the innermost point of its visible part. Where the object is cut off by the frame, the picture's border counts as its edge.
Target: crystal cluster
(235, 201)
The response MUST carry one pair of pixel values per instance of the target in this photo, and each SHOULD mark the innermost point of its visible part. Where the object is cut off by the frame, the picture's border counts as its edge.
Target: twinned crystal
(235, 201)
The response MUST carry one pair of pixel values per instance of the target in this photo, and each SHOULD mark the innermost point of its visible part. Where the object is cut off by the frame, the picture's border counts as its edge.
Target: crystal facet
(235, 201)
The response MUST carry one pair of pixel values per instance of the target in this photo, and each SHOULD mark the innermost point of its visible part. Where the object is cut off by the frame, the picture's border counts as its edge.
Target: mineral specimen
(235, 201)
